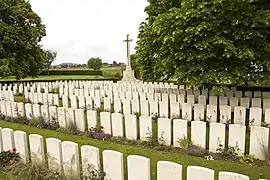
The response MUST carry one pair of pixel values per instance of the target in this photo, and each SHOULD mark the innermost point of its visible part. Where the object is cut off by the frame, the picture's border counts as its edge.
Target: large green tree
(50, 56)
(20, 32)
(206, 43)
(94, 63)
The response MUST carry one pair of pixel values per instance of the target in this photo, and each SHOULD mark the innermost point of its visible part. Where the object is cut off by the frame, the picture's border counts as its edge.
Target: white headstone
(240, 115)
(21, 145)
(80, 120)
(131, 127)
(169, 171)
(105, 121)
(153, 108)
(117, 125)
(199, 110)
(107, 104)
(62, 117)
(117, 105)
(126, 107)
(230, 176)
(211, 113)
(200, 173)
(91, 118)
(255, 116)
(256, 102)
(163, 109)
(90, 159)
(245, 102)
(225, 114)
(70, 155)
(135, 106)
(53, 114)
(36, 149)
(8, 139)
(179, 131)
(174, 110)
(21, 109)
(138, 168)
(145, 127)
(186, 111)
(28, 111)
(54, 152)
(259, 138)
(144, 107)
(237, 134)
(45, 112)
(165, 130)
(36, 110)
(113, 165)
(70, 117)
(216, 136)
(213, 100)
(198, 139)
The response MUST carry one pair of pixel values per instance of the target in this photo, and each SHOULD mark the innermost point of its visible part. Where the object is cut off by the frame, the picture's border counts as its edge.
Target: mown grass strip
(252, 171)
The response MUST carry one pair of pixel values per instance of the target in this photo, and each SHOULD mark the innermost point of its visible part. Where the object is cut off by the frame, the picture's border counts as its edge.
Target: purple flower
(101, 135)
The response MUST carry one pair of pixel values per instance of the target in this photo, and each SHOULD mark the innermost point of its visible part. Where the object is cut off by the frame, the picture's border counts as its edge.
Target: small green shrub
(8, 158)
(228, 154)
(246, 159)
(184, 142)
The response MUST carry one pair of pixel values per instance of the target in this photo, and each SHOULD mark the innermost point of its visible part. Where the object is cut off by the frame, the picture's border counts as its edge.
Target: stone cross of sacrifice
(128, 49)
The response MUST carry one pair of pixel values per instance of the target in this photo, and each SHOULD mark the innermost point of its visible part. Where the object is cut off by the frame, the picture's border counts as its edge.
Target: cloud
(80, 29)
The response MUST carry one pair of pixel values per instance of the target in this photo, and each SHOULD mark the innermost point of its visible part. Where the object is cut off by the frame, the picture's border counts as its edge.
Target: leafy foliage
(50, 56)
(94, 63)
(205, 43)
(8, 158)
(20, 32)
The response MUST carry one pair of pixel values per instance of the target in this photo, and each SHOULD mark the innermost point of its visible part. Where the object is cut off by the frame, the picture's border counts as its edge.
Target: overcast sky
(80, 29)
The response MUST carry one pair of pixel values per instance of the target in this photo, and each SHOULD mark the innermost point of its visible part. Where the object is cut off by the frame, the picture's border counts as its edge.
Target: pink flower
(14, 149)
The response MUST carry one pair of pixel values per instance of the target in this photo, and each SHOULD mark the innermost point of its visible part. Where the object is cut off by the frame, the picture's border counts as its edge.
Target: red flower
(14, 149)
(101, 127)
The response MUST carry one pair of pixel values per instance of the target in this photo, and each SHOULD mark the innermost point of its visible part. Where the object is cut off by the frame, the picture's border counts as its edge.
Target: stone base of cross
(128, 74)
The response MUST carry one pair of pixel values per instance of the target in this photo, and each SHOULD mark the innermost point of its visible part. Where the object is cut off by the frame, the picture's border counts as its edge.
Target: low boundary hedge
(72, 72)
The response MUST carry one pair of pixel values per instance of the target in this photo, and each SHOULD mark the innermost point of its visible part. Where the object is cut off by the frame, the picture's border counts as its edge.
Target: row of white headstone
(117, 124)
(65, 157)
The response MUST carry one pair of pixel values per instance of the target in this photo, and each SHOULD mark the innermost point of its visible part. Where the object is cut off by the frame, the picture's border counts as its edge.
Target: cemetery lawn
(3, 176)
(62, 77)
(252, 171)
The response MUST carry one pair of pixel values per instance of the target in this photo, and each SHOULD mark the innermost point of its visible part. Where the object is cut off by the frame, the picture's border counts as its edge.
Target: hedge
(72, 72)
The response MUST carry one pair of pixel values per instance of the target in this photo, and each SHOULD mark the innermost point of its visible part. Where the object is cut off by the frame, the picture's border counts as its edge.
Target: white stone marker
(21, 145)
(138, 168)
(179, 131)
(82, 102)
(198, 138)
(117, 105)
(174, 110)
(169, 171)
(62, 117)
(8, 108)
(202, 100)
(73, 101)
(45, 112)
(163, 109)
(259, 137)
(70, 116)
(105, 121)
(80, 120)
(90, 159)
(173, 98)
(28, 111)
(181, 98)
(144, 107)
(240, 115)
(45, 98)
(36, 149)
(36, 110)
(3, 108)
(234, 102)
(107, 104)
(117, 125)
(267, 116)
(211, 113)
(191, 99)
(113, 165)
(230, 176)
(200, 173)
(70, 155)
(131, 127)
(126, 107)
(255, 116)
(135, 106)
(245, 102)
(7, 139)
(97, 102)
(56, 99)
(91, 118)
(153, 108)
(225, 114)
(256, 102)
(186, 111)
(237, 135)
(213, 100)
(216, 136)
(21, 109)
(53, 114)
(145, 127)
(164, 130)
(54, 152)
(199, 110)
(1, 142)
(65, 101)
(223, 101)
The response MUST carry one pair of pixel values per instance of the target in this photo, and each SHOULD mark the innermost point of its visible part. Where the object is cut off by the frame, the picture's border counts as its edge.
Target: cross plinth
(128, 74)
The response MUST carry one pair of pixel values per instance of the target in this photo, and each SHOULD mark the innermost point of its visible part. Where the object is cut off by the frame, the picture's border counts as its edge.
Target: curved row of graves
(65, 157)
(118, 124)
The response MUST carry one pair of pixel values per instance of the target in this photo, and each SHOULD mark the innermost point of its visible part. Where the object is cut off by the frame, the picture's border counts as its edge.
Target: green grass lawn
(3, 176)
(63, 77)
(252, 171)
